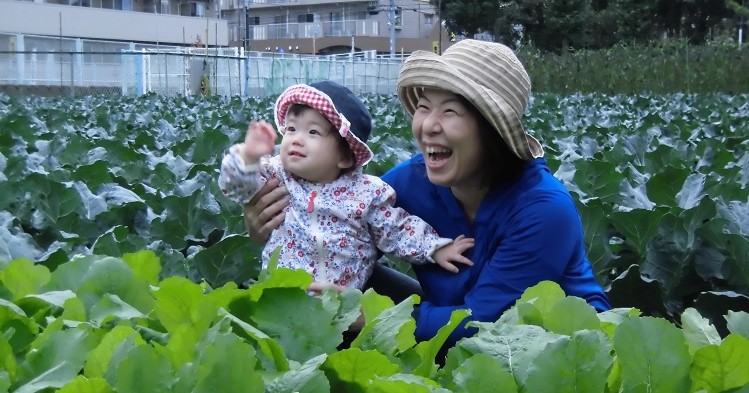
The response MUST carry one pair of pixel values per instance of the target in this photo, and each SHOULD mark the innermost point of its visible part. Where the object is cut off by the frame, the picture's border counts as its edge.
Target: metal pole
(61, 73)
(391, 16)
(439, 19)
(246, 50)
(246, 28)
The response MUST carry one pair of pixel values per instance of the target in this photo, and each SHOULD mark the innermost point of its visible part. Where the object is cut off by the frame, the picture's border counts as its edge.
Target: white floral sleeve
(240, 182)
(398, 233)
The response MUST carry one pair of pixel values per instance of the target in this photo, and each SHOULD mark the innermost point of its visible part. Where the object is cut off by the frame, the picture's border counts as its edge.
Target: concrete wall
(69, 21)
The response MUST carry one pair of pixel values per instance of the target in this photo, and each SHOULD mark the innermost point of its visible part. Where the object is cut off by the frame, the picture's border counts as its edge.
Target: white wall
(49, 19)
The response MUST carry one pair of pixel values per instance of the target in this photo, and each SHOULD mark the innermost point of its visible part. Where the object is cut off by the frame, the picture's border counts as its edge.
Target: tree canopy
(568, 24)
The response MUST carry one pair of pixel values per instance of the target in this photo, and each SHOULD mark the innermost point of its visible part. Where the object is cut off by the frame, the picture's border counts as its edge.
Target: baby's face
(309, 148)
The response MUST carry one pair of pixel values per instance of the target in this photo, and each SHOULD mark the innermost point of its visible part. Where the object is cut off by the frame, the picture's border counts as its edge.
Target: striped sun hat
(488, 75)
(339, 105)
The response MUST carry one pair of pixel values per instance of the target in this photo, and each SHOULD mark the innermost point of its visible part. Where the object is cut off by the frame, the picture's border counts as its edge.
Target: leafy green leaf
(308, 378)
(653, 356)
(428, 350)
(8, 361)
(514, 347)
(638, 226)
(269, 347)
(178, 301)
(580, 363)
(22, 277)
(388, 330)
(227, 261)
(481, 373)
(570, 315)
(352, 370)
(405, 383)
(145, 264)
(56, 361)
(143, 370)
(82, 384)
(698, 331)
(302, 335)
(97, 362)
(718, 368)
(738, 323)
(228, 363)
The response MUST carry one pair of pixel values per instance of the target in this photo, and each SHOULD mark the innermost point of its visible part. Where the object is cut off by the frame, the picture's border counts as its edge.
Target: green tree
(558, 25)
(738, 8)
(634, 19)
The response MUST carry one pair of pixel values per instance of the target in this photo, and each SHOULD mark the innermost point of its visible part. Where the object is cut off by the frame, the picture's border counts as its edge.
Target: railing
(226, 71)
(345, 28)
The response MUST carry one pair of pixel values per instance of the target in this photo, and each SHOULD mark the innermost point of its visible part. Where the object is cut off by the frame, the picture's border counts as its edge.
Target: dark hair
(500, 164)
(343, 146)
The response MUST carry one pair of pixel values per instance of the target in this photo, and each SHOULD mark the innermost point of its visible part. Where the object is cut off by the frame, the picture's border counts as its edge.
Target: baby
(338, 217)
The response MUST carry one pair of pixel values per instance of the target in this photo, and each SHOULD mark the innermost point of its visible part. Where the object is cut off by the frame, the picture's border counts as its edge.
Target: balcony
(276, 3)
(346, 28)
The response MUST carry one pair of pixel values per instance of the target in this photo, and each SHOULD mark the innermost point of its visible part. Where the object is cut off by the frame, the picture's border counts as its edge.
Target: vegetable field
(123, 269)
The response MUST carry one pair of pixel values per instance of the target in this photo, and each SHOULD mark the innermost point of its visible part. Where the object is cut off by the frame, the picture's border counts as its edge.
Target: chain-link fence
(81, 67)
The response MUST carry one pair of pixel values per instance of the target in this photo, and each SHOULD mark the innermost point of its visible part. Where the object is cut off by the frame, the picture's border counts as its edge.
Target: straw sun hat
(488, 75)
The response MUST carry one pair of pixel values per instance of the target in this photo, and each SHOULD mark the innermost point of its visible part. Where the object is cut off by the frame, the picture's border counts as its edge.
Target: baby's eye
(290, 129)
(314, 132)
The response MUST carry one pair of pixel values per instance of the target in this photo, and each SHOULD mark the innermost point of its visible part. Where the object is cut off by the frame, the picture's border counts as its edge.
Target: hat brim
(321, 102)
(427, 70)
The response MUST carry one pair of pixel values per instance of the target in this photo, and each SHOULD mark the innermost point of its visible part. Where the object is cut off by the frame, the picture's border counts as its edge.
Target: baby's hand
(259, 141)
(450, 254)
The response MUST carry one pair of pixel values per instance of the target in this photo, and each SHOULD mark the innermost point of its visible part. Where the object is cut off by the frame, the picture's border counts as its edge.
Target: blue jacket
(524, 233)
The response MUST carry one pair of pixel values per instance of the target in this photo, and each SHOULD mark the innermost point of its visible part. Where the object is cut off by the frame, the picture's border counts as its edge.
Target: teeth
(433, 150)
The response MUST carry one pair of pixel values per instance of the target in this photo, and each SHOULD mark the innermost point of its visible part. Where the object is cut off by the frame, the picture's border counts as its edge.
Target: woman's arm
(543, 241)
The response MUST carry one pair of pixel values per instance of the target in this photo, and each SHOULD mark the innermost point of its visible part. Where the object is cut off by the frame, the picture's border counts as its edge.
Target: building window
(253, 20)
(336, 16)
(279, 19)
(306, 18)
(197, 9)
(361, 15)
(428, 19)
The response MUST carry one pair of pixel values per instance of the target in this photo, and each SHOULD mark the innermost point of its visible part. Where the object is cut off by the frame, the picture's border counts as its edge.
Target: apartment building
(333, 26)
(288, 26)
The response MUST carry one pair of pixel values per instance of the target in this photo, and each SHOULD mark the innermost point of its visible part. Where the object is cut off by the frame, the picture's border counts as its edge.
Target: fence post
(20, 60)
(72, 75)
(123, 66)
(139, 73)
(78, 62)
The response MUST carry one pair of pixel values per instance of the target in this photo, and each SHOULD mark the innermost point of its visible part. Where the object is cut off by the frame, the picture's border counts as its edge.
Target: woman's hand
(265, 211)
(318, 287)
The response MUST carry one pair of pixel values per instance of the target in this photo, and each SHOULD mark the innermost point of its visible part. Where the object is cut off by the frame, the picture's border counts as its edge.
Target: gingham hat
(488, 75)
(339, 105)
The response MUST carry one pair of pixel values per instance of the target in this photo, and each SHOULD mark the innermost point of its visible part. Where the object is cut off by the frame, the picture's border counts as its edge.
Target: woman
(478, 174)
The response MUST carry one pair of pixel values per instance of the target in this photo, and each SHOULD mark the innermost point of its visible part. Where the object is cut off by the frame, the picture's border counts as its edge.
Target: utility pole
(246, 48)
(246, 26)
(439, 19)
(391, 16)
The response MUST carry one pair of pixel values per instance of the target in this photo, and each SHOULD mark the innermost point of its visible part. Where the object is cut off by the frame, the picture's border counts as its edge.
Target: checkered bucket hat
(339, 105)
(488, 75)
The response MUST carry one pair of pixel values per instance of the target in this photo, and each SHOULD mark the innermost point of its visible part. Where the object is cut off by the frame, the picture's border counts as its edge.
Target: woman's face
(447, 132)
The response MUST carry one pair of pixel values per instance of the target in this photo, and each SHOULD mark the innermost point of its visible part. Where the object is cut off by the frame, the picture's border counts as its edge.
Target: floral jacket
(333, 230)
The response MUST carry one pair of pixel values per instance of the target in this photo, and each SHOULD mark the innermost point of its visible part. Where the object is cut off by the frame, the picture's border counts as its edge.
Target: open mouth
(437, 154)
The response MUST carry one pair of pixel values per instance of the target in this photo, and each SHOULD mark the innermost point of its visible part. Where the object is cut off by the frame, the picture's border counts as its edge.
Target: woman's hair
(499, 163)
(343, 147)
